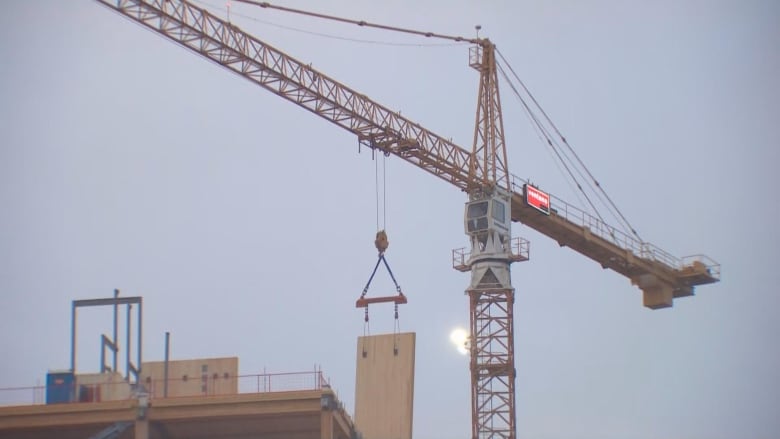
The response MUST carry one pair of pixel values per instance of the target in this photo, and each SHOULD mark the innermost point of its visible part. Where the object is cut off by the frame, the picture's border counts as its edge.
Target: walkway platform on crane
(519, 252)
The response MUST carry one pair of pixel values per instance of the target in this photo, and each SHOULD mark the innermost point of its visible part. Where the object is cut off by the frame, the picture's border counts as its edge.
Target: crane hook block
(381, 244)
(381, 241)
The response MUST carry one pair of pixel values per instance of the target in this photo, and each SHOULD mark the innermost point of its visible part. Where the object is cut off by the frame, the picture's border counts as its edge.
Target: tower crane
(495, 197)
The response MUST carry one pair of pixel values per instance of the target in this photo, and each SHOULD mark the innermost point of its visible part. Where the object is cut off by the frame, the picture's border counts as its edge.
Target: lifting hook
(381, 241)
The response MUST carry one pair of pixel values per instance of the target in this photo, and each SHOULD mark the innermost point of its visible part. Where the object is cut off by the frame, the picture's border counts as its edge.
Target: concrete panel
(384, 386)
(97, 387)
(205, 376)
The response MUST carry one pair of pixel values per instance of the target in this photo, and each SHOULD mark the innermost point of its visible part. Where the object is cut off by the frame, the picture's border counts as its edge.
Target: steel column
(73, 337)
(167, 359)
(116, 331)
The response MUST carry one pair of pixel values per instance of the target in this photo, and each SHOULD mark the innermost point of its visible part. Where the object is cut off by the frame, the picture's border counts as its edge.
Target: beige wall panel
(110, 386)
(205, 376)
(384, 386)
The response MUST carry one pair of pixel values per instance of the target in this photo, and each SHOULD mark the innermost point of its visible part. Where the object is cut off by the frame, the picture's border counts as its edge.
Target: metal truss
(492, 363)
(375, 126)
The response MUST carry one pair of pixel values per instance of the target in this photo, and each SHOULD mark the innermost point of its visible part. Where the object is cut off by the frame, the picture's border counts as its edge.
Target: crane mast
(488, 164)
(489, 228)
(496, 197)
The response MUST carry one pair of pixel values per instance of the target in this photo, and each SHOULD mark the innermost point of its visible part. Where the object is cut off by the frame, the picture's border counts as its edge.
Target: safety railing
(595, 225)
(23, 395)
(712, 267)
(460, 258)
(182, 386)
(519, 250)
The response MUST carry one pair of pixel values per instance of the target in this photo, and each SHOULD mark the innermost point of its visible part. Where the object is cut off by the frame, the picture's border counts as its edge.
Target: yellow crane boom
(660, 275)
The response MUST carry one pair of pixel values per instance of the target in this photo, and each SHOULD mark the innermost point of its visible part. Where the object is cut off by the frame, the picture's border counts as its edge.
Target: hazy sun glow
(459, 337)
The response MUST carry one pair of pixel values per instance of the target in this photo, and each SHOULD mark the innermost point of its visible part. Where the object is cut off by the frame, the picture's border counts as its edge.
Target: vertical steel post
(167, 358)
(103, 353)
(116, 331)
(127, 363)
(140, 338)
(73, 337)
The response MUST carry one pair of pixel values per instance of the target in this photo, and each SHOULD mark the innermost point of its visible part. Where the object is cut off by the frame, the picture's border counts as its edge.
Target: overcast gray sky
(247, 223)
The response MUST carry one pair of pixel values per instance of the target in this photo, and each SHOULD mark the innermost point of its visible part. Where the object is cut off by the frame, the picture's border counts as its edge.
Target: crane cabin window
(499, 212)
(478, 209)
(477, 216)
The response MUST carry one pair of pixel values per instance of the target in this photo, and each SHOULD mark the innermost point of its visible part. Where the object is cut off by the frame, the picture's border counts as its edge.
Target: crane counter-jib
(661, 276)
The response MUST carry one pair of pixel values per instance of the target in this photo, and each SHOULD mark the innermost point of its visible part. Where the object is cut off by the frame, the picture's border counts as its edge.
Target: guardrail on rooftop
(206, 386)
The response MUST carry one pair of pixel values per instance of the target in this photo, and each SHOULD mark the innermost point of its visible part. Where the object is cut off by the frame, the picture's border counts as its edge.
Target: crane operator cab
(484, 215)
(488, 224)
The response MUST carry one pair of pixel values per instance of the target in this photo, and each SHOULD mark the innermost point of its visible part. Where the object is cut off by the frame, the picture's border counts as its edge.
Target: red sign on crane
(537, 199)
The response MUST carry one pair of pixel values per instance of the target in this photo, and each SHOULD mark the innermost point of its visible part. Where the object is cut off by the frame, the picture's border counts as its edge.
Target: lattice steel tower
(491, 296)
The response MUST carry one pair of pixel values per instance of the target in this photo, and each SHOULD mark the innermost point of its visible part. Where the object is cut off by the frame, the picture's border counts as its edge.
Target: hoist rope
(381, 212)
(609, 203)
(231, 12)
(543, 130)
(611, 206)
(384, 192)
(397, 326)
(376, 191)
(552, 153)
(362, 23)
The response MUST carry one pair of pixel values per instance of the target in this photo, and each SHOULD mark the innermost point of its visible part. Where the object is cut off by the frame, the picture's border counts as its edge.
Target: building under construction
(111, 410)
(209, 398)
